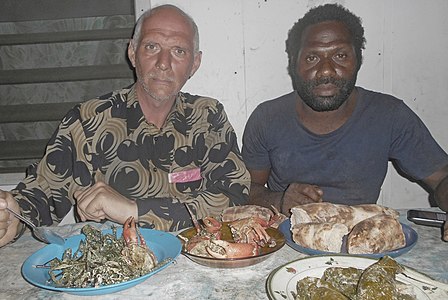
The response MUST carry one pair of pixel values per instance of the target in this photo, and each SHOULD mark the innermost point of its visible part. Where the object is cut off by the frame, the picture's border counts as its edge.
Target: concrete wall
(244, 62)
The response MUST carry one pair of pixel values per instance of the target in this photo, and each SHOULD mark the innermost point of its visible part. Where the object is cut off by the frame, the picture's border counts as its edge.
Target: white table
(188, 280)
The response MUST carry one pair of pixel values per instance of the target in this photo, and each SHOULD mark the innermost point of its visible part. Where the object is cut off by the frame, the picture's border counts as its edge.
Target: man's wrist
(282, 200)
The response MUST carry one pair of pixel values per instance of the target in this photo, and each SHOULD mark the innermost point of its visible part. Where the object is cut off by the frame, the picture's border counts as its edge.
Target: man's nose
(326, 68)
(164, 60)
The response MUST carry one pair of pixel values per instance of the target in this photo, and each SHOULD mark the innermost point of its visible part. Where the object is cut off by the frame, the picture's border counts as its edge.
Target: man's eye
(151, 46)
(311, 59)
(180, 52)
(341, 56)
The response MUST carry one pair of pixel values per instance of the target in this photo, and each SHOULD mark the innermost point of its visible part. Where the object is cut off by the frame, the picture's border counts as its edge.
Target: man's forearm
(165, 208)
(260, 195)
(441, 194)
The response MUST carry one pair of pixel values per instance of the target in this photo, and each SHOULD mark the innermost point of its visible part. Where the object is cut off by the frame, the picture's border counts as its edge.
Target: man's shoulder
(278, 106)
(378, 97)
(383, 105)
(199, 101)
(289, 97)
(114, 99)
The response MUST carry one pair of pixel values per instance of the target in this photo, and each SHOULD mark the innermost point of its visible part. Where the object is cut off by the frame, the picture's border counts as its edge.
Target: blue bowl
(163, 244)
(409, 233)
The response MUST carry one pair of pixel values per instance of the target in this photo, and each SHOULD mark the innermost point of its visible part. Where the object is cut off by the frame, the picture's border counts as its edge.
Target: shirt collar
(177, 109)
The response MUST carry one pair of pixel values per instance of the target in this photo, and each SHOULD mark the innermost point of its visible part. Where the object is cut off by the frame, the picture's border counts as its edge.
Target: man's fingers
(307, 200)
(91, 212)
(445, 231)
(81, 215)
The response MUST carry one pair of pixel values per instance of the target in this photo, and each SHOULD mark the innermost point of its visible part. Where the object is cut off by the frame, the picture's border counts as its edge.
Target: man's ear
(196, 63)
(131, 53)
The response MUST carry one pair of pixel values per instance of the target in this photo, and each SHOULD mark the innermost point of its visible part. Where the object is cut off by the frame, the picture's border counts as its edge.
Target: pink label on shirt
(185, 176)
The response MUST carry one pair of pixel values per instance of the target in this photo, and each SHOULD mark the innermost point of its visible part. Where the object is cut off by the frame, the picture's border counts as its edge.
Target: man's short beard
(321, 104)
(141, 81)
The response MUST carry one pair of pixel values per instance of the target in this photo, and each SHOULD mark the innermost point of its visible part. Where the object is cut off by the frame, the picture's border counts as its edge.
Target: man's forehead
(326, 32)
(170, 21)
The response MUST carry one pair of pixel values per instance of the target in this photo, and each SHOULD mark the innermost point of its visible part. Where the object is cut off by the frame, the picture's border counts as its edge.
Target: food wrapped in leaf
(311, 288)
(343, 279)
(304, 286)
(375, 282)
(378, 280)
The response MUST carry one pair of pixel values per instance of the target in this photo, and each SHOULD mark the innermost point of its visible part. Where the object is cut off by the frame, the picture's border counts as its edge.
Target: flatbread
(376, 234)
(320, 236)
(325, 212)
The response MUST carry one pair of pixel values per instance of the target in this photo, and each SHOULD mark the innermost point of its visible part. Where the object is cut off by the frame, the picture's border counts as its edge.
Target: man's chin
(323, 104)
(324, 109)
(161, 98)
(157, 96)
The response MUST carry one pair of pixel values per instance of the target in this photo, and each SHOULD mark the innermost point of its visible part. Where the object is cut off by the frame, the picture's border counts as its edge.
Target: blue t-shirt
(348, 164)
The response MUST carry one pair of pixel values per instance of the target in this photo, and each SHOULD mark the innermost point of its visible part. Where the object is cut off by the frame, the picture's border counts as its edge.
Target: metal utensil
(43, 234)
(413, 275)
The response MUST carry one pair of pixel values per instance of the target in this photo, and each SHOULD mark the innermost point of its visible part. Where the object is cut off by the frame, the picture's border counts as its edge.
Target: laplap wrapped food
(369, 228)
(377, 281)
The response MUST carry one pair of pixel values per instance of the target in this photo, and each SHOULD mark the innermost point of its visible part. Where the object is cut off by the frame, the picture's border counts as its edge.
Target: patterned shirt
(109, 139)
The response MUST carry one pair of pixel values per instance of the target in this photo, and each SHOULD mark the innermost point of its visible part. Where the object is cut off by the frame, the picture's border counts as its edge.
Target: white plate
(282, 281)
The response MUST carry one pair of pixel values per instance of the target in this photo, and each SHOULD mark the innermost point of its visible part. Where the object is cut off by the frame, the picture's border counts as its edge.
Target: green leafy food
(311, 288)
(376, 282)
(344, 279)
(99, 261)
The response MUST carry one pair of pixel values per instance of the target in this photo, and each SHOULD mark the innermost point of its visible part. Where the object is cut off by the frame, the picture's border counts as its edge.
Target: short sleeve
(413, 148)
(255, 143)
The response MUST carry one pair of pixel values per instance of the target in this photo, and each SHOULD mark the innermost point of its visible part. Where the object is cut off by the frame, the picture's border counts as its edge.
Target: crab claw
(260, 231)
(137, 255)
(213, 226)
(272, 216)
(251, 230)
(223, 249)
(276, 219)
(131, 234)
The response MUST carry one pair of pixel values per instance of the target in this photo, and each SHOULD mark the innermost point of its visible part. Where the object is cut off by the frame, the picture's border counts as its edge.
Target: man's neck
(155, 111)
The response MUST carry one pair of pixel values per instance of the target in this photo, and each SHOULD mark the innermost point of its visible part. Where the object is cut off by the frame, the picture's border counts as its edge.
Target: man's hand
(103, 202)
(438, 181)
(445, 231)
(300, 193)
(8, 223)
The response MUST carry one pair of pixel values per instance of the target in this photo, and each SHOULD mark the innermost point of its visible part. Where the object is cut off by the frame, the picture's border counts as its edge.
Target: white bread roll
(324, 212)
(320, 236)
(376, 234)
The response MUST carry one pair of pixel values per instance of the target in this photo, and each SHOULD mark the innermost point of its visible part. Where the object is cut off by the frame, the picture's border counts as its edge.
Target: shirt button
(154, 169)
(156, 138)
